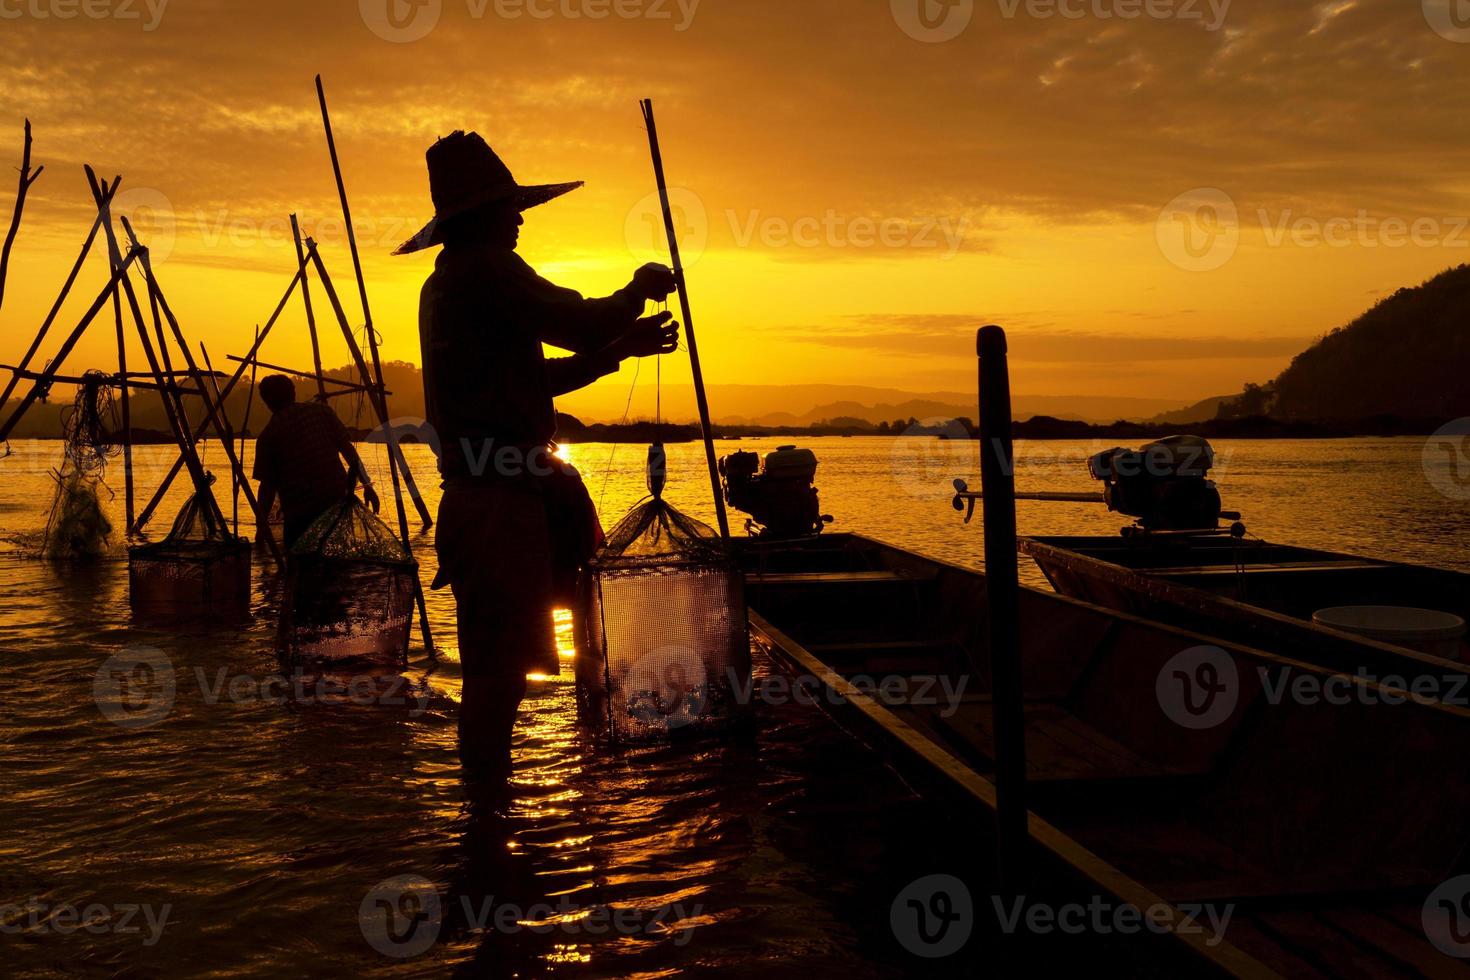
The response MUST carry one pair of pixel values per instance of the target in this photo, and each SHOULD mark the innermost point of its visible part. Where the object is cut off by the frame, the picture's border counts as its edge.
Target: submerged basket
(200, 571)
(350, 588)
(667, 648)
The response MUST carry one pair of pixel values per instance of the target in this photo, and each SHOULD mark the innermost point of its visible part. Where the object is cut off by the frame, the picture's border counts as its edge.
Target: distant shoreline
(1039, 428)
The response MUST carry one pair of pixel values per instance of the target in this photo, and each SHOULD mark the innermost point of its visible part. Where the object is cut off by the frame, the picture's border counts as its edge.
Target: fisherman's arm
(657, 334)
(564, 318)
(266, 498)
(355, 467)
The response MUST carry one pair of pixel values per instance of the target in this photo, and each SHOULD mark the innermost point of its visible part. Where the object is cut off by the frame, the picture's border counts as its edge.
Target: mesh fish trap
(349, 592)
(667, 645)
(199, 570)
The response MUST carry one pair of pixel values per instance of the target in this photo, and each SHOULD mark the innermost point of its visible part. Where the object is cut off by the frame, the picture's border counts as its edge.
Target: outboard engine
(778, 493)
(1163, 484)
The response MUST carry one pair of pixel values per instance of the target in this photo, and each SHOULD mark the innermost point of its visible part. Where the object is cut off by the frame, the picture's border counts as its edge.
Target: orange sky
(856, 200)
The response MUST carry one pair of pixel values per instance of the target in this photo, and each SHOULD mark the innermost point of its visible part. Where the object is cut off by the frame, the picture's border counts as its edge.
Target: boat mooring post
(1003, 622)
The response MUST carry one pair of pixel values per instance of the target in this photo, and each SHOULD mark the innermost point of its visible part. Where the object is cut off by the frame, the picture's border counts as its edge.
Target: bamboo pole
(162, 368)
(44, 381)
(1002, 598)
(351, 388)
(104, 213)
(26, 180)
(396, 460)
(25, 362)
(699, 392)
(245, 423)
(229, 434)
(216, 412)
(261, 335)
(381, 404)
(316, 347)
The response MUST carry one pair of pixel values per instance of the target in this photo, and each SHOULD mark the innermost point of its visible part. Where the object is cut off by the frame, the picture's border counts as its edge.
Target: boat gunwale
(1042, 549)
(1214, 949)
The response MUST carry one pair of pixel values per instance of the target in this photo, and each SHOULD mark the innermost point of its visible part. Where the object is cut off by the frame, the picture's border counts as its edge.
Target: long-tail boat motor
(779, 493)
(1164, 484)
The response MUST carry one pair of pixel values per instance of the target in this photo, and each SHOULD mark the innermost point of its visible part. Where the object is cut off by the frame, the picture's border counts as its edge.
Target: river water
(255, 837)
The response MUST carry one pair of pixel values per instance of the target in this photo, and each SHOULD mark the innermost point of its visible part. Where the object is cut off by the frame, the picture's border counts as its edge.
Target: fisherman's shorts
(495, 552)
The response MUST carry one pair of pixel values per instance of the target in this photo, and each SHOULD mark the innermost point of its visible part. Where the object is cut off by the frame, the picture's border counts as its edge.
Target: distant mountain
(1200, 411)
(795, 406)
(1409, 356)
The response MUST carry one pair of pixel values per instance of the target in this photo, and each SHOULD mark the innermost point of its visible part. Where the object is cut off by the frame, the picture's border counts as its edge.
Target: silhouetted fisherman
(299, 456)
(515, 522)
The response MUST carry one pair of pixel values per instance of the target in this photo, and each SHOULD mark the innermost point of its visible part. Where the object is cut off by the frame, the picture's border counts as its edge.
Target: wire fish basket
(349, 593)
(666, 650)
(200, 571)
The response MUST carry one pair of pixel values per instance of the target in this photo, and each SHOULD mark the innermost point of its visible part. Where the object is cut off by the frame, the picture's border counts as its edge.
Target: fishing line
(607, 474)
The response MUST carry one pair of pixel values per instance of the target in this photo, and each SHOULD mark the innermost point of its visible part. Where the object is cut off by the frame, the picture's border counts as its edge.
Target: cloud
(949, 333)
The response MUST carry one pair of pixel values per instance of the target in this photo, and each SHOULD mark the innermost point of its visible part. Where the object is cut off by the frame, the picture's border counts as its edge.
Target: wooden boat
(1326, 825)
(1259, 593)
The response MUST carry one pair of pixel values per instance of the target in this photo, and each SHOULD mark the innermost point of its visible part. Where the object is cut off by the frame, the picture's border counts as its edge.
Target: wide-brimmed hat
(464, 173)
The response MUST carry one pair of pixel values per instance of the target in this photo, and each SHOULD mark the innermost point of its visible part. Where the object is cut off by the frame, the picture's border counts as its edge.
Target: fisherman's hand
(370, 497)
(653, 282)
(657, 334)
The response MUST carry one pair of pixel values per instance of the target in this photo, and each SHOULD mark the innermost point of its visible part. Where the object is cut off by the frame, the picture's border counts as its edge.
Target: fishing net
(350, 592)
(77, 526)
(199, 570)
(667, 643)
